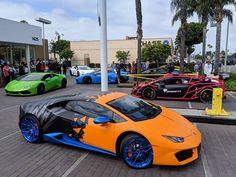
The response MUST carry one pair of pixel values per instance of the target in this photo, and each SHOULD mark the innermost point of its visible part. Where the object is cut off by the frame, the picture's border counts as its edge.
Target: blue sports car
(95, 77)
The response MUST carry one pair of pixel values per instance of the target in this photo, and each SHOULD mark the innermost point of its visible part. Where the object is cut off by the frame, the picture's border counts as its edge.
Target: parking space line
(204, 161)
(78, 161)
(190, 105)
(4, 109)
(9, 135)
(230, 94)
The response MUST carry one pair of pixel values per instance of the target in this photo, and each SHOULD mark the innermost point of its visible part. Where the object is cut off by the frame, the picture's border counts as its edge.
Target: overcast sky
(77, 19)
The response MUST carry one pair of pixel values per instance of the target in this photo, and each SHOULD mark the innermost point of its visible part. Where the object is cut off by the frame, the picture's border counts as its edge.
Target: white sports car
(80, 70)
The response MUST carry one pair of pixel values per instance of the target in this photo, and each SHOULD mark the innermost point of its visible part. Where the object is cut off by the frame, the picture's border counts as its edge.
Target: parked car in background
(80, 70)
(35, 83)
(95, 77)
(230, 60)
(178, 87)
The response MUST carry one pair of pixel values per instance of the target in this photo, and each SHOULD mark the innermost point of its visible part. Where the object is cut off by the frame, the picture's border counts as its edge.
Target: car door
(171, 87)
(96, 77)
(112, 76)
(97, 135)
(50, 81)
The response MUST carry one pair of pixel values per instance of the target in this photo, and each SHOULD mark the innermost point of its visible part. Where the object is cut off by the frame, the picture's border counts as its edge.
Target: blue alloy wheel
(136, 151)
(30, 128)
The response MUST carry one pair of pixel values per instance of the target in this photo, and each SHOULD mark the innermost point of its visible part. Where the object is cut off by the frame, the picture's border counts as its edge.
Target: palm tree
(139, 33)
(205, 12)
(183, 9)
(220, 12)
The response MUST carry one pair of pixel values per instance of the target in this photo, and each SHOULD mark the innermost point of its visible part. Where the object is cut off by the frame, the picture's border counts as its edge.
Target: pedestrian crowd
(8, 72)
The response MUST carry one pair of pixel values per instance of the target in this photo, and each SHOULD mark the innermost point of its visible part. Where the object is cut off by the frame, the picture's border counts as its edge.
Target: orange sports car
(140, 132)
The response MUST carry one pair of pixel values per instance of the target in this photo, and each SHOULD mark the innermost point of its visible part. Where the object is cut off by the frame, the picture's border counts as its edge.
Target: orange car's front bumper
(174, 157)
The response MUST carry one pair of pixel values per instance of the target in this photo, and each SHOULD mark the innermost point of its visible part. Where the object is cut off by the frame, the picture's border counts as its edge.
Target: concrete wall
(91, 49)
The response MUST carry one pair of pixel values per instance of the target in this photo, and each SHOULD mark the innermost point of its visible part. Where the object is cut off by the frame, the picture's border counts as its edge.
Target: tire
(63, 83)
(78, 74)
(87, 80)
(41, 89)
(206, 96)
(31, 129)
(136, 151)
(71, 73)
(149, 93)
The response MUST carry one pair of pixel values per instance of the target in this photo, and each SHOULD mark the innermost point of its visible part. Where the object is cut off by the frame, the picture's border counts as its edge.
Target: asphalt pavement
(19, 158)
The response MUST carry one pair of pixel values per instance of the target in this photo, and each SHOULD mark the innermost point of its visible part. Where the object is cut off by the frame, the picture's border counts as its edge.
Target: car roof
(100, 97)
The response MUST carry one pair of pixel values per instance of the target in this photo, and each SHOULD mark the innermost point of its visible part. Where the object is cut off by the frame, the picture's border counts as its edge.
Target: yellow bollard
(217, 109)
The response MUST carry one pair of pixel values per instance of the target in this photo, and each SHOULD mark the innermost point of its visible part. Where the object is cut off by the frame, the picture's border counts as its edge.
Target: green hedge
(230, 83)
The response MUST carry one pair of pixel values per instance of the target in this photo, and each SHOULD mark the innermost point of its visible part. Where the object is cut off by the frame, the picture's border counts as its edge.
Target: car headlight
(174, 139)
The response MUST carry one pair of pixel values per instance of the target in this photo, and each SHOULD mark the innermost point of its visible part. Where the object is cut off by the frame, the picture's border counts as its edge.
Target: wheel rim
(206, 96)
(149, 93)
(138, 153)
(41, 89)
(29, 129)
(87, 80)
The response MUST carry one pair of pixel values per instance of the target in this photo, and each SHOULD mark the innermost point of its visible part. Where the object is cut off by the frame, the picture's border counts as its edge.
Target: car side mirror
(102, 120)
(48, 79)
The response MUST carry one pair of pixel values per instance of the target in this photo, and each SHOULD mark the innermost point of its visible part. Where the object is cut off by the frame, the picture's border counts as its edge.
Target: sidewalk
(200, 116)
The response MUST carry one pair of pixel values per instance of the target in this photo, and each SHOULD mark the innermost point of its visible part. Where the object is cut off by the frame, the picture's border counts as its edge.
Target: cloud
(77, 19)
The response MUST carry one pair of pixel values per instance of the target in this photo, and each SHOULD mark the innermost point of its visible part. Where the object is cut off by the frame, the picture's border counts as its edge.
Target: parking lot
(19, 158)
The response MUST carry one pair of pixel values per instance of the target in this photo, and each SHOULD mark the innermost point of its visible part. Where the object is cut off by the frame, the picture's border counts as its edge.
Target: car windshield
(30, 77)
(84, 68)
(136, 109)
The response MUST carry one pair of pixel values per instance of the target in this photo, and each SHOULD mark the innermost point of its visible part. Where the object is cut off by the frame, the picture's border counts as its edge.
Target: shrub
(230, 83)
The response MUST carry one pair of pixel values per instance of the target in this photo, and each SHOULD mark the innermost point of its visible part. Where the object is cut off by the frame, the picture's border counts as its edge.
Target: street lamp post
(226, 46)
(43, 21)
(103, 44)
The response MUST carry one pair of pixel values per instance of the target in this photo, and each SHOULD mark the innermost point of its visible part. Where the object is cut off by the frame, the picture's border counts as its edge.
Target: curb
(125, 85)
(229, 90)
(210, 120)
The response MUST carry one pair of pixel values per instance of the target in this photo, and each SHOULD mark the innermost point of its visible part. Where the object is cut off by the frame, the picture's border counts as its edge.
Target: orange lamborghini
(116, 124)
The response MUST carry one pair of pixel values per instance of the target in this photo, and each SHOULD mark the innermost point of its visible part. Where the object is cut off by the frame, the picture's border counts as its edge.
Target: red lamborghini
(178, 87)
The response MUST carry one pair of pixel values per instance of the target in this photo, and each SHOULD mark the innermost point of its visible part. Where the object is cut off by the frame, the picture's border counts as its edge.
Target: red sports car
(178, 87)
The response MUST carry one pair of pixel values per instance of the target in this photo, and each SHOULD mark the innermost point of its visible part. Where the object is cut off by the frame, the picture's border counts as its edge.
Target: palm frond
(228, 14)
(176, 17)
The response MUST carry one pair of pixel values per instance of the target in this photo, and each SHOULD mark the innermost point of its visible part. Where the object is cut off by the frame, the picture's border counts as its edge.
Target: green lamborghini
(35, 83)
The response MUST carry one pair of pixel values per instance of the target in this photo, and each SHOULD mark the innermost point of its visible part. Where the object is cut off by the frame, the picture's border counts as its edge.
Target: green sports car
(35, 83)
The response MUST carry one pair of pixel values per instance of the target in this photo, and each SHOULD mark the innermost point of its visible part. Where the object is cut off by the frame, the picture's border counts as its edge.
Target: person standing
(6, 73)
(113, 66)
(1, 75)
(12, 72)
(133, 68)
(118, 68)
(129, 67)
(42, 66)
(38, 64)
(22, 68)
(195, 68)
(208, 68)
(64, 67)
